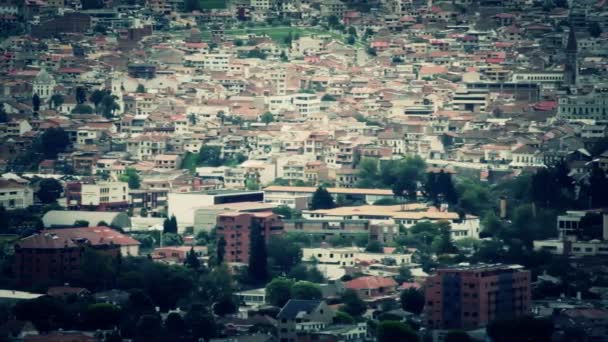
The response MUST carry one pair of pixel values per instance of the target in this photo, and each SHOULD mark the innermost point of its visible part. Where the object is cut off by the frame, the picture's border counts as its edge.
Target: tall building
(571, 66)
(466, 297)
(235, 228)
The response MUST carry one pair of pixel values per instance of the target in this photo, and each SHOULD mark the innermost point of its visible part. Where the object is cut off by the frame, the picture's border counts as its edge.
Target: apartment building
(235, 228)
(470, 100)
(167, 161)
(306, 104)
(467, 297)
(103, 195)
(303, 316)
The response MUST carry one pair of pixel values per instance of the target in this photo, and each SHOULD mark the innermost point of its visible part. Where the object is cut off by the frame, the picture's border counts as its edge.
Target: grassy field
(277, 33)
(211, 4)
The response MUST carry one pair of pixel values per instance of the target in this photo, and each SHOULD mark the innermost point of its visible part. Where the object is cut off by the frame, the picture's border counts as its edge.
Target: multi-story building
(55, 256)
(307, 104)
(167, 161)
(470, 100)
(592, 107)
(464, 297)
(104, 195)
(236, 228)
(14, 195)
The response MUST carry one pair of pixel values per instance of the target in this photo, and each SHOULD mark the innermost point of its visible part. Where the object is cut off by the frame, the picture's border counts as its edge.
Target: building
(205, 218)
(55, 256)
(592, 107)
(14, 195)
(44, 85)
(373, 287)
(465, 297)
(98, 237)
(235, 228)
(145, 71)
(184, 204)
(252, 298)
(287, 193)
(299, 316)
(104, 196)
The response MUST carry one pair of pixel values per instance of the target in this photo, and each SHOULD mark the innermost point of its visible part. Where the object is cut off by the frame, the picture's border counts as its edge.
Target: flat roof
(239, 206)
(345, 191)
(218, 192)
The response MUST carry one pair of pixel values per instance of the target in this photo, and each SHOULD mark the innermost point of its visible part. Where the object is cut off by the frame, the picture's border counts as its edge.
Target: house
(14, 195)
(299, 316)
(372, 287)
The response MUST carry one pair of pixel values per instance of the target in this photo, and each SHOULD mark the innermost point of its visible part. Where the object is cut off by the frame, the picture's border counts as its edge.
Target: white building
(307, 104)
(592, 107)
(104, 193)
(44, 85)
(349, 256)
(14, 195)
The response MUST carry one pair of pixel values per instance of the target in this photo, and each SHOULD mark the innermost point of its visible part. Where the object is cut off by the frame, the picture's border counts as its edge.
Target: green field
(211, 4)
(276, 33)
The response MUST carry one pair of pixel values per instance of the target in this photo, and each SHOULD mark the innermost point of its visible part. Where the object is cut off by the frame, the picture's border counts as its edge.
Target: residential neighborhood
(304, 170)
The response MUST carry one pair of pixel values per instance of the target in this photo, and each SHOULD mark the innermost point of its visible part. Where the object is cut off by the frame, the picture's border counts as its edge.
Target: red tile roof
(371, 282)
(95, 235)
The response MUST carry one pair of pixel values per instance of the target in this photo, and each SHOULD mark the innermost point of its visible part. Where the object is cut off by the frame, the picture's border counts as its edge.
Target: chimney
(503, 207)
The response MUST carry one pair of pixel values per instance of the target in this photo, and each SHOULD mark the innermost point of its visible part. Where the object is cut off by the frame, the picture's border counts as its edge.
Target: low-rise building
(14, 195)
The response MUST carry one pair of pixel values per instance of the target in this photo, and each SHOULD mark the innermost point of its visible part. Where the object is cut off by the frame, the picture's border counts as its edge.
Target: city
(304, 170)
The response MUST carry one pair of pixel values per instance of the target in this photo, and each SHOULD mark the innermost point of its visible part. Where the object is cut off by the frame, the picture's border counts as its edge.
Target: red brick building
(55, 256)
(472, 296)
(236, 228)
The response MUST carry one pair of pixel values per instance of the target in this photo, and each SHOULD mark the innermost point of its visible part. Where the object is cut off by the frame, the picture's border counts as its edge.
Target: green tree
(96, 96)
(36, 103)
(321, 199)
(81, 95)
(328, 97)
(333, 21)
(371, 51)
(284, 253)
(97, 270)
(131, 177)
(81, 223)
(172, 239)
(351, 40)
(267, 118)
(102, 316)
(53, 141)
(56, 100)
(412, 300)
(82, 109)
(278, 291)
(306, 290)
(140, 88)
(192, 260)
(221, 250)
(374, 246)
(170, 225)
(491, 224)
(352, 304)
(49, 190)
(443, 244)
(391, 331)
(192, 5)
(201, 322)
(210, 156)
(258, 263)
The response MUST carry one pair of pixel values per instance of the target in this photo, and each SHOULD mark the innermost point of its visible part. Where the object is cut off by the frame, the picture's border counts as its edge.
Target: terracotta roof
(95, 235)
(371, 282)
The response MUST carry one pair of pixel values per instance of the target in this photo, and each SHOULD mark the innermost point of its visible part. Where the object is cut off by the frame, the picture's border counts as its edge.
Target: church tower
(571, 67)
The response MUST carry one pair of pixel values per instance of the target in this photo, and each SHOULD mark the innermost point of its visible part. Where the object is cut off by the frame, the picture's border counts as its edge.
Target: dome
(44, 77)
